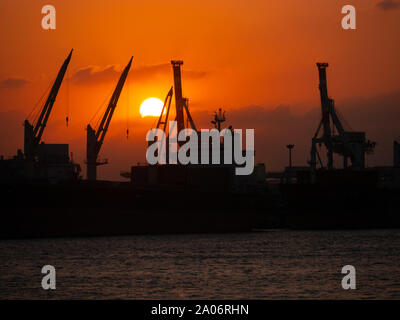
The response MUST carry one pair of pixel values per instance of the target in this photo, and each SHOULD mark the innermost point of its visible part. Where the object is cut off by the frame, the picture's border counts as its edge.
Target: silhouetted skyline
(256, 61)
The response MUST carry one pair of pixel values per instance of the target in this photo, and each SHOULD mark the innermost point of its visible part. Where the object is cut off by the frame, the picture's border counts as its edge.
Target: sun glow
(151, 107)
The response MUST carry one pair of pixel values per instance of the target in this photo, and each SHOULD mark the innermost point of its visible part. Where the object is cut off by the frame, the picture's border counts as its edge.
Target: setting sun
(151, 107)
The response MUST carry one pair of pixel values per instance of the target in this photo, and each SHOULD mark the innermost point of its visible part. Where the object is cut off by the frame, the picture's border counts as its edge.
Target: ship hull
(103, 209)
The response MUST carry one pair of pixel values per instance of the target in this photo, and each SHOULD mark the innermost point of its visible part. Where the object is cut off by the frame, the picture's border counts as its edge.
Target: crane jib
(33, 133)
(95, 139)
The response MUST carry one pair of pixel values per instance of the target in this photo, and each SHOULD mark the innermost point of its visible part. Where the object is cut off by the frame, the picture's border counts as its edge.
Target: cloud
(145, 73)
(192, 74)
(13, 83)
(388, 4)
(275, 127)
(94, 75)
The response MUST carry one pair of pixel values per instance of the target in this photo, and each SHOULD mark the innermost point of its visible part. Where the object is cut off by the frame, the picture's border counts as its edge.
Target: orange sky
(237, 55)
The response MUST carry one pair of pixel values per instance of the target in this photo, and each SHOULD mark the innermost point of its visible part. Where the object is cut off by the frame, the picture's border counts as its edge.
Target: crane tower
(349, 144)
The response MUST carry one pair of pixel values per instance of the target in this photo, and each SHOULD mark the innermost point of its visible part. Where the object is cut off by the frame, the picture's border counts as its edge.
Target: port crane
(349, 144)
(34, 132)
(95, 138)
(181, 106)
(181, 103)
(166, 106)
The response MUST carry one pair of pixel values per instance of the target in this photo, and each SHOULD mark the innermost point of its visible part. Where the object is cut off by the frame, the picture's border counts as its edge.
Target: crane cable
(36, 115)
(100, 108)
(67, 99)
(342, 119)
(127, 110)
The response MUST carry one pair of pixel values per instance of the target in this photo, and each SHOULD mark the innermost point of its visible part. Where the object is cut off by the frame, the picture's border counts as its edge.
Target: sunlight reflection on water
(274, 264)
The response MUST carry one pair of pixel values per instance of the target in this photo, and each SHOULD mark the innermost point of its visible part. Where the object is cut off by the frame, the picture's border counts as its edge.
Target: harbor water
(272, 264)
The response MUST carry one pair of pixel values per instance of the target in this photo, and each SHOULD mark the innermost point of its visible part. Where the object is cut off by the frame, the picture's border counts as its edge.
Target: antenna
(218, 119)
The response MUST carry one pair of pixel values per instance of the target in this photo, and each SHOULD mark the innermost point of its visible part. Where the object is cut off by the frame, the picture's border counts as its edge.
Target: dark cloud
(275, 127)
(145, 73)
(94, 75)
(13, 83)
(388, 4)
(192, 74)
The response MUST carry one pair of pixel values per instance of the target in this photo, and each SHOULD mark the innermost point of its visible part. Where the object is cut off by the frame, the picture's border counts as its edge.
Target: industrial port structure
(52, 162)
(348, 144)
(50, 166)
(95, 138)
(40, 161)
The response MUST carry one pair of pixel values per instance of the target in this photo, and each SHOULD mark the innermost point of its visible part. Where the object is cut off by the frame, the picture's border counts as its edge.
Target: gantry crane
(33, 133)
(95, 138)
(349, 144)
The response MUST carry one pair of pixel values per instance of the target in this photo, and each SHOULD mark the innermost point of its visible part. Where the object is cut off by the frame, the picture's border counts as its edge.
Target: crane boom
(167, 104)
(179, 100)
(95, 138)
(33, 133)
